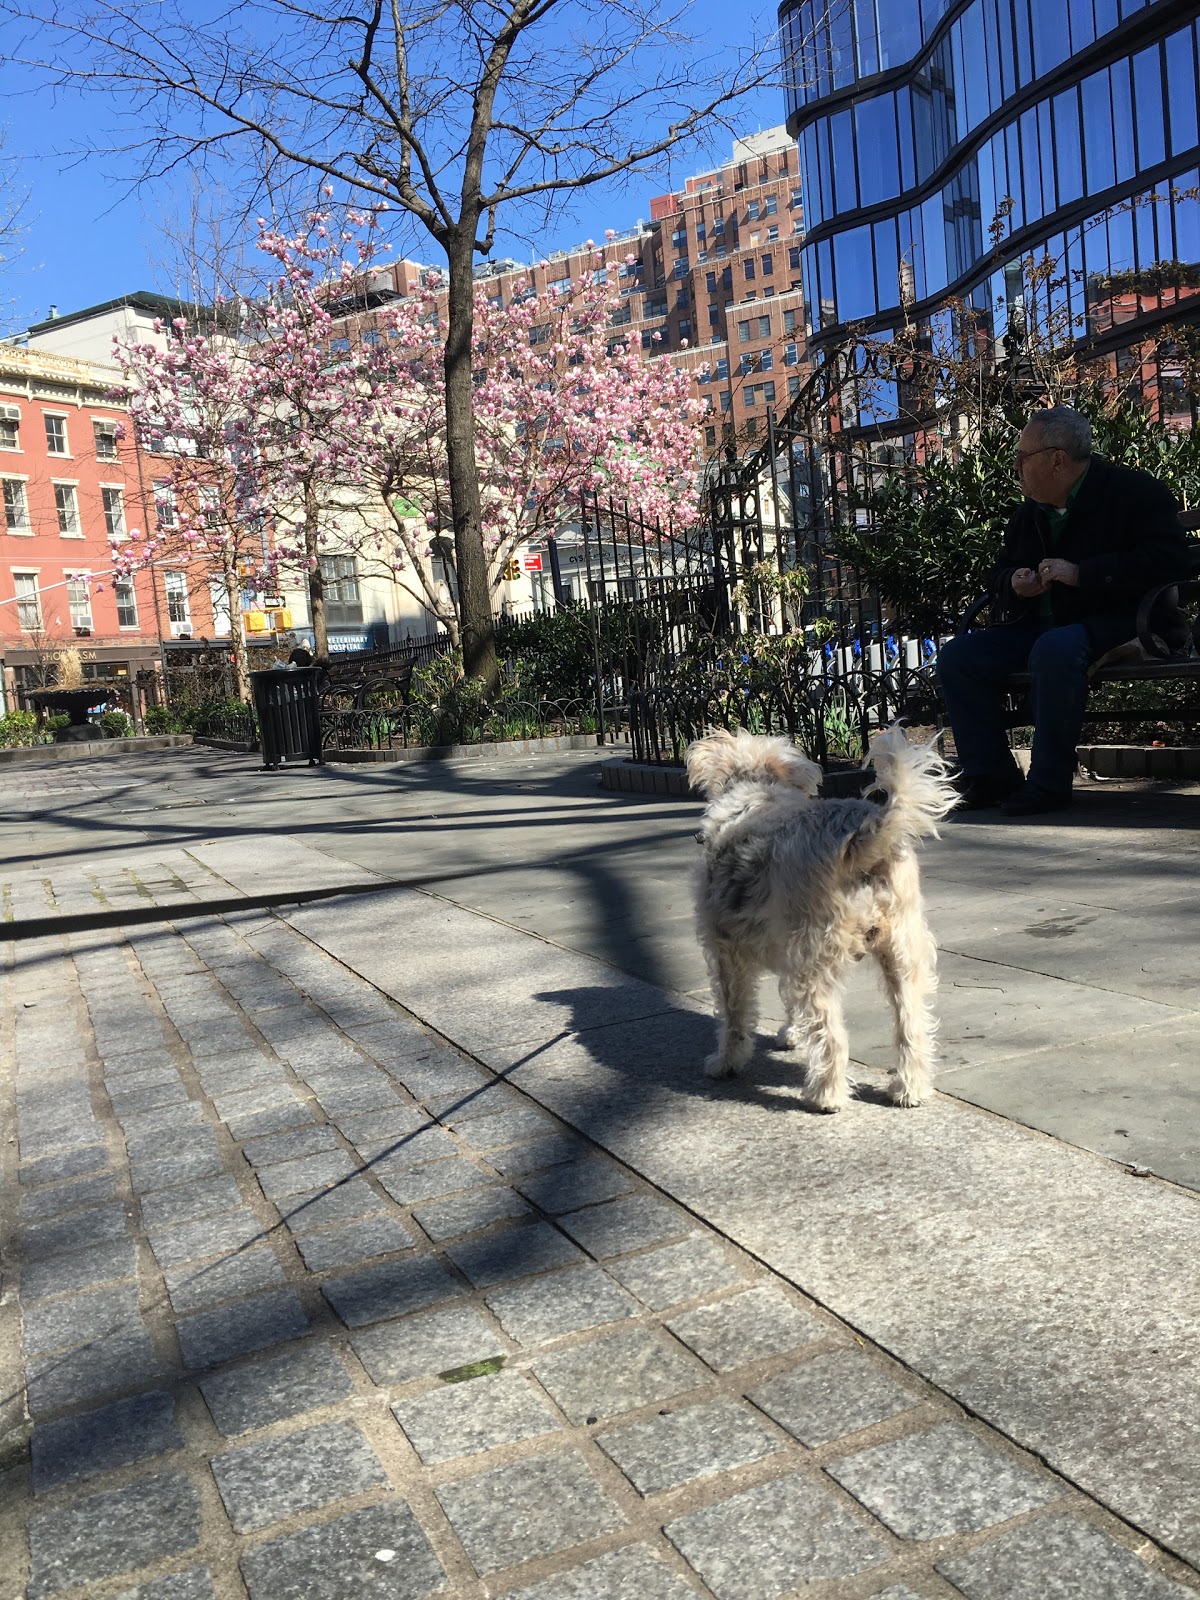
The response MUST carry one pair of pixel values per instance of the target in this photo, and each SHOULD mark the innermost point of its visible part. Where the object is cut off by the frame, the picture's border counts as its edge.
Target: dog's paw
(828, 1097)
(905, 1094)
(718, 1066)
(788, 1038)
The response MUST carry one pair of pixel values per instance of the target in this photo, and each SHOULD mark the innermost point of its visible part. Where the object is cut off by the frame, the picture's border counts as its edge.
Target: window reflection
(1084, 140)
(855, 275)
(1181, 90)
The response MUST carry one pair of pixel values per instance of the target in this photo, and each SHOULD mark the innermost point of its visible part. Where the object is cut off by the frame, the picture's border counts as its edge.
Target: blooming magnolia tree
(564, 407)
(191, 406)
(308, 409)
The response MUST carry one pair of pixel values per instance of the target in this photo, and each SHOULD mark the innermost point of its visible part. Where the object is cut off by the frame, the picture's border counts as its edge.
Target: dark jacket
(1122, 531)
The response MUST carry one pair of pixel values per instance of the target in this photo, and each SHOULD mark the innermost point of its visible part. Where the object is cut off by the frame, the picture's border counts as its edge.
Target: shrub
(116, 725)
(554, 652)
(18, 728)
(161, 719)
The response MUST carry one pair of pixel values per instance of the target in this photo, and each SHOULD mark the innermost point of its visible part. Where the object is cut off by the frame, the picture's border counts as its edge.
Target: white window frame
(58, 416)
(73, 485)
(24, 531)
(169, 501)
(119, 490)
(34, 573)
(126, 627)
(6, 416)
(85, 579)
(106, 425)
(178, 625)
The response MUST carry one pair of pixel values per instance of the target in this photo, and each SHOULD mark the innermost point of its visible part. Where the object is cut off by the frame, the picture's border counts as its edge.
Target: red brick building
(70, 479)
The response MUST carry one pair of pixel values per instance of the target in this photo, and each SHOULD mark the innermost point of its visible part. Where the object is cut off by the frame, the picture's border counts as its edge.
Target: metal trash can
(288, 707)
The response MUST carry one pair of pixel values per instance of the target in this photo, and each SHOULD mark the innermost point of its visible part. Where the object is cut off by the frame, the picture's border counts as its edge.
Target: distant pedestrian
(1085, 544)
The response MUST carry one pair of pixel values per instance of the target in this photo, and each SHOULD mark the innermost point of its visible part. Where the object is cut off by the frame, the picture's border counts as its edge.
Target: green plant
(447, 707)
(59, 720)
(843, 735)
(935, 529)
(116, 725)
(19, 728)
(161, 719)
(553, 653)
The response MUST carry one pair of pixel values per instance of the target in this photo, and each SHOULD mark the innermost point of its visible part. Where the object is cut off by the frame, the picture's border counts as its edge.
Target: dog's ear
(783, 762)
(711, 761)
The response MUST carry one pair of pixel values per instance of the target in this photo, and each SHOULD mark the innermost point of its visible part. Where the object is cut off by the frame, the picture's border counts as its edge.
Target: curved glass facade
(930, 132)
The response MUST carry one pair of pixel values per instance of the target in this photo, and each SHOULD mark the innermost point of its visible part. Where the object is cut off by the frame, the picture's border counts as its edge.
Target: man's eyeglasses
(1020, 457)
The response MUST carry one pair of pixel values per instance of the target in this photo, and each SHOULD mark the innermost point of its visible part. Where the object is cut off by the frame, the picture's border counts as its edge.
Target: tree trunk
(474, 596)
(316, 581)
(233, 594)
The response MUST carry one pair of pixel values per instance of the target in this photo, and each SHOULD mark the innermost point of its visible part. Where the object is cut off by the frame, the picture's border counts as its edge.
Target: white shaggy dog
(800, 887)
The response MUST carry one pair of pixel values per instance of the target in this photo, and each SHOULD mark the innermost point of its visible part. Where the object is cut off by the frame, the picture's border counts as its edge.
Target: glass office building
(941, 141)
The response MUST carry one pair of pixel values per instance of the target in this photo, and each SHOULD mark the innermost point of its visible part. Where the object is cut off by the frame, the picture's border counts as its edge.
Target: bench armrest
(971, 616)
(1155, 648)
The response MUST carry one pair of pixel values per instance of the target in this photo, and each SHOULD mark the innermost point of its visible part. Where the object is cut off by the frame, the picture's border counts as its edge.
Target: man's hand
(1027, 583)
(1054, 570)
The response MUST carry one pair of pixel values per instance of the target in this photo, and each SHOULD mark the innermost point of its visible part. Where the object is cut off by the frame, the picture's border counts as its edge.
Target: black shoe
(1031, 800)
(987, 789)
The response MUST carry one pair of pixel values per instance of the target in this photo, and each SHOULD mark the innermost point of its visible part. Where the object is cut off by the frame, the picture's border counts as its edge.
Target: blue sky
(92, 234)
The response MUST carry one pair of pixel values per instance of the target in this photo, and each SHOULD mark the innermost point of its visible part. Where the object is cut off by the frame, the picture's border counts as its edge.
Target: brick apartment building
(71, 480)
(713, 286)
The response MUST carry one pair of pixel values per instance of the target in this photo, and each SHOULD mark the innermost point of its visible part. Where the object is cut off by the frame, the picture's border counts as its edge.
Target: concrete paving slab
(1133, 1096)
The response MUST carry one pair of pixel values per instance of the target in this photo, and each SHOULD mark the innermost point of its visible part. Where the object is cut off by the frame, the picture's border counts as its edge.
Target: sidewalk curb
(89, 749)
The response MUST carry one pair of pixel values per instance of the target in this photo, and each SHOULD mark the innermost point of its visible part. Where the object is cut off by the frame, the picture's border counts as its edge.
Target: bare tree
(455, 111)
(13, 201)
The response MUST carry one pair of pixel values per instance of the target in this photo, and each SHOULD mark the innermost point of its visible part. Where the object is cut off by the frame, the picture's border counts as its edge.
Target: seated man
(1079, 552)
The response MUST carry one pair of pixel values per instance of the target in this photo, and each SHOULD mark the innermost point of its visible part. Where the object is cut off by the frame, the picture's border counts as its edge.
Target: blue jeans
(972, 669)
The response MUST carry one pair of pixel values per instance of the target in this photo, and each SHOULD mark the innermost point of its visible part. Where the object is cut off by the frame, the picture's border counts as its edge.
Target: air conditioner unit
(10, 413)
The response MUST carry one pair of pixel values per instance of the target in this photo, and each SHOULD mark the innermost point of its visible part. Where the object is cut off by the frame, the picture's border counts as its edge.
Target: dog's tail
(914, 791)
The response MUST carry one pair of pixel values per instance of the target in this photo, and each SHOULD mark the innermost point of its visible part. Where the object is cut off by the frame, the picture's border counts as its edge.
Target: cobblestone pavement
(308, 1304)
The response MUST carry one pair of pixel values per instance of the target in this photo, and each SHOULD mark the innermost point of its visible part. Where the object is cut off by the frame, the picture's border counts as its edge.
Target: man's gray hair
(1060, 428)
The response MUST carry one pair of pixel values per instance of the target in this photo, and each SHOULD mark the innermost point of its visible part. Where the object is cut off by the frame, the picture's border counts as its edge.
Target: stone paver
(388, 1290)
(465, 1419)
(107, 1534)
(380, 1553)
(530, 1509)
(679, 1446)
(264, 1483)
(562, 1302)
(676, 1272)
(758, 1322)
(944, 1481)
(114, 1436)
(830, 1396)
(211, 1337)
(768, 1540)
(514, 1253)
(618, 1373)
(633, 1570)
(274, 1388)
(426, 1345)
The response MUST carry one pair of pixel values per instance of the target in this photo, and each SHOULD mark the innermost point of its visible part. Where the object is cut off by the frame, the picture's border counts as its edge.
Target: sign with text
(531, 561)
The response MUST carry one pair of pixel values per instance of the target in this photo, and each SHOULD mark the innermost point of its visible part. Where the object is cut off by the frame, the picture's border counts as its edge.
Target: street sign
(272, 602)
(532, 561)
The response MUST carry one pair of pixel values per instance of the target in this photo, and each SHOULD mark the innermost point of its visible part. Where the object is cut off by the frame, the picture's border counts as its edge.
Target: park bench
(360, 686)
(1150, 658)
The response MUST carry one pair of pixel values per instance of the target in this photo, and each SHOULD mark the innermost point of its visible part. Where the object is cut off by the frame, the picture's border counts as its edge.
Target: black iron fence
(752, 619)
